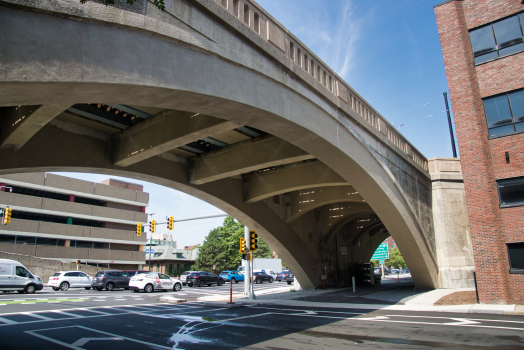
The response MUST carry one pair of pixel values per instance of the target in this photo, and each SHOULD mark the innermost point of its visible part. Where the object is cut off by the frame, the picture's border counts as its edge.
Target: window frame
(513, 271)
(497, 45)
(515, 132)
(502, 206)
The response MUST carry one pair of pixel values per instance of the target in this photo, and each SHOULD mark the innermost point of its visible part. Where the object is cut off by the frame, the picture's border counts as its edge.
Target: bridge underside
(241, 141)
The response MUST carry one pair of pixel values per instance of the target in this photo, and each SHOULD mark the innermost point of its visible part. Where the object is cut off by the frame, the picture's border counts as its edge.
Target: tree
(222, 248)
(395, 258)
(158, 3)
(212, 252)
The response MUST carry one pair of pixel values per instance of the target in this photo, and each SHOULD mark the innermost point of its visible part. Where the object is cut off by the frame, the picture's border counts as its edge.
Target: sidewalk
(399, 296)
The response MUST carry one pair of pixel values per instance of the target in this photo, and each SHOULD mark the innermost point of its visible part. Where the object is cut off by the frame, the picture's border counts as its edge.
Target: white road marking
(37, 316)
(6, 321)
(83, 341)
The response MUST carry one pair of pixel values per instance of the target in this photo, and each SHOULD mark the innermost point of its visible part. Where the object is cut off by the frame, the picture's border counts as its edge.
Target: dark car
(260, 277)
(203, 278)
(378, 275)
(110, 280)
(281, 277)
(132, 273)
(290, 278)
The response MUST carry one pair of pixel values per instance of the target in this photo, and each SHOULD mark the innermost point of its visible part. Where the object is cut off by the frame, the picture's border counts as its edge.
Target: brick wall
(483, 161)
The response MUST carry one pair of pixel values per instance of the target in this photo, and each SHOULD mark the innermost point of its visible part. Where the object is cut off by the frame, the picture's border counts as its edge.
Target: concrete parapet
(67, 207)
(113, 213)
(116, 192)
(68, 183)
(63, 229)
(22, 226)
(62, 252)
(20, 200)
(27, 249)
(34, 178)
(110, 234)
(142, 217)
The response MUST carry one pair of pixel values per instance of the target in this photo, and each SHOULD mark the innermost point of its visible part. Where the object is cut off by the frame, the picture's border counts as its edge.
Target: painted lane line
(448, 318)
(37, 316)
(6, 321)
(88, 308)
(453, 324)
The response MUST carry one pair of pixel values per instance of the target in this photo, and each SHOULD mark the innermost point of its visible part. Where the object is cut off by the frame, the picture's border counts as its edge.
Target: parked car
(149, 282)
(260, 277)
(405, 271)
(177, 284)
(15, 277)
(64, 280)
(202, 278)
(281, 277)
(290, 278)
(232, 275)
(110, 280)
(183, 276)
(132, 273)
(267, 272)
(395, 272)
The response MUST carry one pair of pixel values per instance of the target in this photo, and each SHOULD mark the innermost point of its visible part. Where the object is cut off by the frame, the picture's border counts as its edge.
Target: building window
(299, 57)
(498, 39)
(306, 67)
(511, 192)
(516, 257)
(505, 113)
(292, 51)
(224, 3)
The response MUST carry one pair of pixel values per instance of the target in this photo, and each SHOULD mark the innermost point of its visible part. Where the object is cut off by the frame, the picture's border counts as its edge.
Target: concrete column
(452, 229)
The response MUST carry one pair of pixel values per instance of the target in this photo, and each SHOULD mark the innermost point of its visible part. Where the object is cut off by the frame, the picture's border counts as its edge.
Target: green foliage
(222, 248)
(158, 3)
(395, 259)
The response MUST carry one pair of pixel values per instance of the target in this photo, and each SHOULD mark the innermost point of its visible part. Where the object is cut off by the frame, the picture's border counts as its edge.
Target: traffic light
(78, 262)
(139, 229)
(253, 244)
(242, 245)
(153, 224)
(170, 223)
(7, 215)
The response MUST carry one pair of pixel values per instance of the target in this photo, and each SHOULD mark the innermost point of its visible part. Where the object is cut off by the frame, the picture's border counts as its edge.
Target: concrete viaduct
(218, 100)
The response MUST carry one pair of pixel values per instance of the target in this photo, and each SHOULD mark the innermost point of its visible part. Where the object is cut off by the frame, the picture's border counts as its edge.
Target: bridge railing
(258, 20)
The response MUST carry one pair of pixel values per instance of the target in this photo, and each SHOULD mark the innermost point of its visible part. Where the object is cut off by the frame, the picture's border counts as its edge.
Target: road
(126, 320)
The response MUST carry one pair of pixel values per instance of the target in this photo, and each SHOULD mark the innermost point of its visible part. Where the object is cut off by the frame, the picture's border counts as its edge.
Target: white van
(15, 276)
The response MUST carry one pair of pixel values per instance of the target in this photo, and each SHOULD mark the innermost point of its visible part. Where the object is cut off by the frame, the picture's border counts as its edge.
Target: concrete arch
(111, 64)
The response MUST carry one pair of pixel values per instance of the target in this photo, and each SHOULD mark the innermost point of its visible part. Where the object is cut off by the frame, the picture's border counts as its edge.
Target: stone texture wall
(481, 158)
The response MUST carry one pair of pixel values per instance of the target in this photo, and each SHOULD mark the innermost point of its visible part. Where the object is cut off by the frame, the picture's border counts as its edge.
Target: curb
(172, 300)
(223, 304)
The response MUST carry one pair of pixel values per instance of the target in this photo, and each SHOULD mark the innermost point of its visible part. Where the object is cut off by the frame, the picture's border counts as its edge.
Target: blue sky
(388, 51)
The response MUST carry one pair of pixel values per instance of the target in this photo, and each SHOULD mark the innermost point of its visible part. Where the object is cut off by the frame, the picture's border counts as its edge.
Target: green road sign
(381, 261)
(381, 253)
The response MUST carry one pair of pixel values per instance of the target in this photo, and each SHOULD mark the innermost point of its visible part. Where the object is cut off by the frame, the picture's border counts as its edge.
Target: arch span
(98, 67)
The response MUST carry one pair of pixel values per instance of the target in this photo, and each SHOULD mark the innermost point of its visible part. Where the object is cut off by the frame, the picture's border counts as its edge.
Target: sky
(387, 51)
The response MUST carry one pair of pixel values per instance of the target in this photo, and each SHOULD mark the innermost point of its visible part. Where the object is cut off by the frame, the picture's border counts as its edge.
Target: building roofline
(444, 2)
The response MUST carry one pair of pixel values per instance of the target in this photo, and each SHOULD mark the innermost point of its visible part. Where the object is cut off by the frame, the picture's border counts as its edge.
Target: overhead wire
(416, 110)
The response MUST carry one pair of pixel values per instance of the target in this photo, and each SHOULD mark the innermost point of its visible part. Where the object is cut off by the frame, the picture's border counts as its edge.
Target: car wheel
(177, 287)
(220, 282)
(99, 289)
(201, 284)
(110, 286)
(56, 288)
(236, 281)
(30, 289)
(64, 286)
(288, 282)
(270, 280)
(127, 288)
(190, 284)
(87, 288)
(148, 288)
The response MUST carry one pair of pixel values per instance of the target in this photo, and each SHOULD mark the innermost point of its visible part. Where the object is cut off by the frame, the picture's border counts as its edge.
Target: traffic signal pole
(247, 271)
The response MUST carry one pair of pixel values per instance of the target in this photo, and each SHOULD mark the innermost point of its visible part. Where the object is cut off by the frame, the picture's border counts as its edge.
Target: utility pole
(450, 126)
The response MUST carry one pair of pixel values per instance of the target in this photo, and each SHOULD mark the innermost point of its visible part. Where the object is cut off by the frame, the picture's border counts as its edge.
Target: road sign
(382, 252)
(152, 251)
(343, 250)
(381, 261)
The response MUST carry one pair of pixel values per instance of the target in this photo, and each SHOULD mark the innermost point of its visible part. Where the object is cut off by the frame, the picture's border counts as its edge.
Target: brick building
(65, 219)
(483, 49)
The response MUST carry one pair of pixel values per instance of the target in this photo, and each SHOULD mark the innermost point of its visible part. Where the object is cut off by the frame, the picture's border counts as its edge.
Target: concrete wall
(452, 230)
(46, 268)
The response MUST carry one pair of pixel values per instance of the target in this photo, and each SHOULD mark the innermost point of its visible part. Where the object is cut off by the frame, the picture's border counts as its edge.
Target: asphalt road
(126, 320)
(48, 299)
